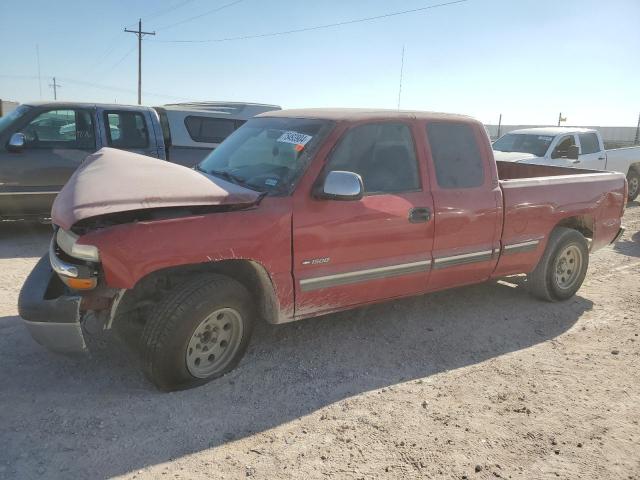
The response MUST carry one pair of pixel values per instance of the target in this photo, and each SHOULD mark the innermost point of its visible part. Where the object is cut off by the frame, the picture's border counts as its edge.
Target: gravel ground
(478, 382)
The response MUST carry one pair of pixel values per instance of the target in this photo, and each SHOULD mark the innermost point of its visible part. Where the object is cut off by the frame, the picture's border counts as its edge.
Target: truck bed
(515, 171)
(536, 198)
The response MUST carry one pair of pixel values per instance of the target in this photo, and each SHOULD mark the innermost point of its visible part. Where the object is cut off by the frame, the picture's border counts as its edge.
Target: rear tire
(633, 181)
(198, 333)
(562, 268)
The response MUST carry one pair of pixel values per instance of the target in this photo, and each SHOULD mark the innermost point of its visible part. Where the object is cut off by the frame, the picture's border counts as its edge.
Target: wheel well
(583, 224)
(136, 302)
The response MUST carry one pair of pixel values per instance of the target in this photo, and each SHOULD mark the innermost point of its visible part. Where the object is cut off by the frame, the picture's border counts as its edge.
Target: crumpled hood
(111, 181)
(516, 157)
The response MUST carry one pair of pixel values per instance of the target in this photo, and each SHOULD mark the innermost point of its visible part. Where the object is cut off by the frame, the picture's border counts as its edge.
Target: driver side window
(384, 156)
(562, 149)
(61, 129)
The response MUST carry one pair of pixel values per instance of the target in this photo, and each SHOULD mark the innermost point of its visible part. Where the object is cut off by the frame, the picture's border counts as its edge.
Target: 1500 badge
(316, 261)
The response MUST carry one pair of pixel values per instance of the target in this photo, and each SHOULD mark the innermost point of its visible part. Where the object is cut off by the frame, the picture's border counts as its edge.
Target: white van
(192, 130)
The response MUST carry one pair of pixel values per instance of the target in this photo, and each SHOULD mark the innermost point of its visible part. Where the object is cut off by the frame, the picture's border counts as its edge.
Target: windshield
(524, 143)
(267, 154)
(7, 120)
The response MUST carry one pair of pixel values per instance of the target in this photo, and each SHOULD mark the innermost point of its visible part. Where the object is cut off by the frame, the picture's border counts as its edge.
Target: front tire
(562, 268)
(633, 181)
(198, 333)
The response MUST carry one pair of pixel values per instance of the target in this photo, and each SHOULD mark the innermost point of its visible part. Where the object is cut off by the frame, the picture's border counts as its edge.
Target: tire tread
(539, 281)
(168, 313)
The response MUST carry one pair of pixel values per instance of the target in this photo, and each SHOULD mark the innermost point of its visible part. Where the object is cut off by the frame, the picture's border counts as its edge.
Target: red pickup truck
(301, 213)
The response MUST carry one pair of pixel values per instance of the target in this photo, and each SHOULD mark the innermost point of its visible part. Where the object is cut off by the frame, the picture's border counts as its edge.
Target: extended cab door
(131, 130)
(592, 155)
(348, 253)
(57, 140)
(467, 204)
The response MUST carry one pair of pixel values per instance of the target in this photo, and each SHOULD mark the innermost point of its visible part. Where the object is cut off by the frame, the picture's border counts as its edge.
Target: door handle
(419, 215)
(602, 158)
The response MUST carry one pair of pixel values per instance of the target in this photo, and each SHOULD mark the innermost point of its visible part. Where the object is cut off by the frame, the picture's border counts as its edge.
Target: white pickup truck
(569, 147)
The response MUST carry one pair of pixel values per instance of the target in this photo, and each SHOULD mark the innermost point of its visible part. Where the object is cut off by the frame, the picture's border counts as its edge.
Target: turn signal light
(80, 283)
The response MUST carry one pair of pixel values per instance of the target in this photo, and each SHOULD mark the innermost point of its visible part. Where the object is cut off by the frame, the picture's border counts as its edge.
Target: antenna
(401, 72)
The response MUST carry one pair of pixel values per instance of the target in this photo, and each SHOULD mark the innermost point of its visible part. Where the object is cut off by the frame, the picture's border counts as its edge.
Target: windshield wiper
(230, 177)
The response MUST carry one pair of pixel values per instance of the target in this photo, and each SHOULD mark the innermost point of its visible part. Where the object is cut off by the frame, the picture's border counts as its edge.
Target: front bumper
(50, 312)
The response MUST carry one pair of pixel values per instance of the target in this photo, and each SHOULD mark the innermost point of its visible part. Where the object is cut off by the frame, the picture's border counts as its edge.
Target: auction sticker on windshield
(294, 138)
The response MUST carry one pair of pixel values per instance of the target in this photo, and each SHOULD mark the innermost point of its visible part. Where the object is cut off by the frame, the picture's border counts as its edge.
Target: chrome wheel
(214, 342)
(568, 266)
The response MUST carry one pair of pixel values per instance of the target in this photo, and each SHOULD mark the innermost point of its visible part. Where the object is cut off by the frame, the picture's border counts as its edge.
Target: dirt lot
(479, 382)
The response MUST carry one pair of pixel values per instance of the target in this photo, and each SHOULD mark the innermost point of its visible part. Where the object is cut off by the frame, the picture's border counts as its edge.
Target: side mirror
(340, 185)
(573, 152)
(16, 142)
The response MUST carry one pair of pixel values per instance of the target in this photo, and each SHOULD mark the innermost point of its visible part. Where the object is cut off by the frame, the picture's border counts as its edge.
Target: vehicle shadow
(96, 416)
(629, 244)
(23, 239)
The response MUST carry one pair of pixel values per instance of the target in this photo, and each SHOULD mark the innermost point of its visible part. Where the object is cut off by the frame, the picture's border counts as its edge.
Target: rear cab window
(203, 129)
(457, 159)
(589, 143)
(126, 129)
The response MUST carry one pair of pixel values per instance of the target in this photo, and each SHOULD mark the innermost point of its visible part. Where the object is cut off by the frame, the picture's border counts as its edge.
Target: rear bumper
(50, 312)
(618, 235)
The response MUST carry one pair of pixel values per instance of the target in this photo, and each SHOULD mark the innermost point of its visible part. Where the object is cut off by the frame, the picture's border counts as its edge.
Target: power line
(209, 12)
(101, 87)
(167, 10)
(124, 90)
(122, 59)
(162, 11)
(111, 47)
(317, 27)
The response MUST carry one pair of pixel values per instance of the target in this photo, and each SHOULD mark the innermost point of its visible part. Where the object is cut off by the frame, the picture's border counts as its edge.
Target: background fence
(7, 107)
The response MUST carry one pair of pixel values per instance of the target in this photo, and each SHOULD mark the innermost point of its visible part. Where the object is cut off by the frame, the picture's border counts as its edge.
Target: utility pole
(55, 88)
(139, 33)
(499, 126)
(39, 79)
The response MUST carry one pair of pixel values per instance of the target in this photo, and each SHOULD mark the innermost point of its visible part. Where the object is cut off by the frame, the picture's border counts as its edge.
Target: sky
(525, 59)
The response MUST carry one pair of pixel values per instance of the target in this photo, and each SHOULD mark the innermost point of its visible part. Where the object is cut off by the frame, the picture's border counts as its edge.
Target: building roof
(360, 114)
